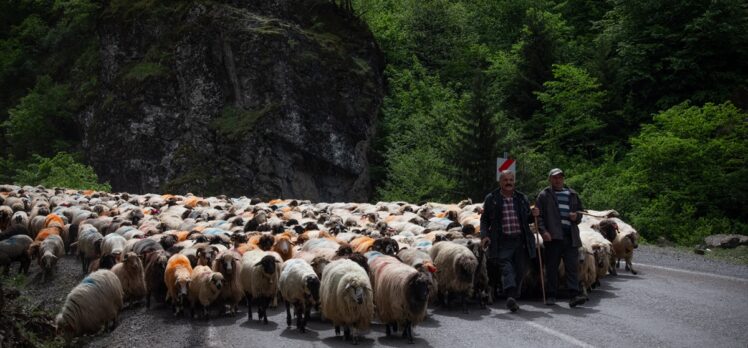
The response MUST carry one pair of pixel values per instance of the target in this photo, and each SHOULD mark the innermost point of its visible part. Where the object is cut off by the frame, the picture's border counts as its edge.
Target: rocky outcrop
(727, 241)
(270, 99)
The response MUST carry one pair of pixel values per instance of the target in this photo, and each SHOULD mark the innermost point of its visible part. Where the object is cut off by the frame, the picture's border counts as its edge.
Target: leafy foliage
(62, 170)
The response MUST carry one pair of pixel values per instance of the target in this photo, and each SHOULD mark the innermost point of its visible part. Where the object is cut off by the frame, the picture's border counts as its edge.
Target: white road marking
(693, 272)
(560, 335)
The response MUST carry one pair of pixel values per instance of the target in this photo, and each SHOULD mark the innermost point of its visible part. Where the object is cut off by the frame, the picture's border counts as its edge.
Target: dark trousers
(509, 266)
(555, 250)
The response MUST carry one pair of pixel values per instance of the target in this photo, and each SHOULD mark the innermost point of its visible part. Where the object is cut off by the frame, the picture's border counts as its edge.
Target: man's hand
(535, 211)
(573, 216)
(485, 242)
(546, 237)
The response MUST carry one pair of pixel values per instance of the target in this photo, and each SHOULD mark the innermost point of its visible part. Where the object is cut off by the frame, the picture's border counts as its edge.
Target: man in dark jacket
(560, 213)
(504, 230)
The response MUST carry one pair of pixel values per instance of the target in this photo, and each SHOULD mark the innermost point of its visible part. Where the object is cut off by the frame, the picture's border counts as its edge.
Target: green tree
(42, 123)
(570, 115)
(62, 170)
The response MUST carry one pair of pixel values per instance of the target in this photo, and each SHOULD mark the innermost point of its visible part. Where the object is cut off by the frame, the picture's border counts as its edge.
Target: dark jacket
(490, 221)
(550, 217)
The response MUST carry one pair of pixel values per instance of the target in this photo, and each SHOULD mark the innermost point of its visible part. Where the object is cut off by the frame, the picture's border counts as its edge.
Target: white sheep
(91, 305)
(15, 249)
(205, 288)
(346, 297)
(88, 245)
(627, 239)
(421, 261)
(400, 294)
(259, 278)
(455, 266)
(113, 244)
(299, 285)
(132, 277)
(50, 250)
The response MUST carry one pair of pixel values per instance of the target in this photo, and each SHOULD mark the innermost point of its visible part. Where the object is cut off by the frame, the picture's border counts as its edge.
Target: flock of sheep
(352, 262)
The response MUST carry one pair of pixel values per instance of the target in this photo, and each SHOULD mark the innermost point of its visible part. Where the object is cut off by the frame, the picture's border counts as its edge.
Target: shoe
(511, 304)
(550, 301)
(577, 300)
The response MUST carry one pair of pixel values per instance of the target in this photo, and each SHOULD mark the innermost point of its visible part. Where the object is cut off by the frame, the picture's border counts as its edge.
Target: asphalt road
(664, 306)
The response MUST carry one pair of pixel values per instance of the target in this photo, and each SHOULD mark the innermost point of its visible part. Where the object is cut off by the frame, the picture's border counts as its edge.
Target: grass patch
(738, 255)
(235, 122)
(140, 72)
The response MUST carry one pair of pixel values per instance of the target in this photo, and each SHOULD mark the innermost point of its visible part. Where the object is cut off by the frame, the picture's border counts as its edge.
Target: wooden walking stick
(540, 257)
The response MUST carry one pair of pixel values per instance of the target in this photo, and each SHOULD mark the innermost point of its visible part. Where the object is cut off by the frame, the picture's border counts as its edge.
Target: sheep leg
(265, 302)
(249, 306)
(630, 266)
(288, 313)
(299, 318)
(346, 333)
(148, 300)
(464, 303)
(387, 329)
(337, 330)
(206, 313)
(408, 331)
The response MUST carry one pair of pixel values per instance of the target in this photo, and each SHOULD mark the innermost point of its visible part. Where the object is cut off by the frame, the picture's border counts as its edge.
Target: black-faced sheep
(386, 245)
(205, 288)
(229, 264)
(400, 294)
(299, 285)
(132, 277)
(455, 266)
(259, 279)
(346, 297)
(421, 261)
(15, 249)
(155, 268)
(91, 305)
(177, 277)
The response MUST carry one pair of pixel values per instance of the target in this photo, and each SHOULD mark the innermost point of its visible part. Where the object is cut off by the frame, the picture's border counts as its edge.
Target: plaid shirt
(509, 220)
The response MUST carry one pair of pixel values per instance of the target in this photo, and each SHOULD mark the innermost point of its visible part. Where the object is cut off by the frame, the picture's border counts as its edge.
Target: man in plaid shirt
(505, 232)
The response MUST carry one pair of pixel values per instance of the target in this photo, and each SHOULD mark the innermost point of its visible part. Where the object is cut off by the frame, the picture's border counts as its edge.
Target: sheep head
(131, 260)
(465, 268)
(268, 264)
(311, 288)
(386, 245)
(48, 261)
(356, 292)
(417, 291)
(216, 280)
(266, 242)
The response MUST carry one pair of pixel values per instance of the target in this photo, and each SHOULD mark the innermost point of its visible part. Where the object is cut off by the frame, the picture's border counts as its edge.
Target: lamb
(177, 277)
(91, 305)
(47, 252)
(205, 288)
(299, 285)
(15, 249)
(132, 277)
(455, 265)
(228, 263)
(346, 297)
(400, 294)
(421, 261)
(259, 278)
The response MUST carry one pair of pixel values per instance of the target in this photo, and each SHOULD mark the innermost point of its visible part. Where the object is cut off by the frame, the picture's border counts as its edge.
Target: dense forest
(642, 103)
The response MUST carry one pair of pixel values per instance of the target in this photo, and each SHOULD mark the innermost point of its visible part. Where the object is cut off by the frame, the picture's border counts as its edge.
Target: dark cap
(555, 171)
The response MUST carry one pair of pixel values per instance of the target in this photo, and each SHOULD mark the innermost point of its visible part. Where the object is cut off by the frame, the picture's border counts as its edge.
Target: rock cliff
(272, 98)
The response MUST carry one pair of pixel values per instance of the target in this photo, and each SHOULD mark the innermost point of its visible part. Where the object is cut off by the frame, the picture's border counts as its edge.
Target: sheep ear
(348, 286)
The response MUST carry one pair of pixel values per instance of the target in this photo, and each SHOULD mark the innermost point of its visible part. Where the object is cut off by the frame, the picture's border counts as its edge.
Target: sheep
(20, 218)
(5, 215)
(624, 244)
(155, 268)
(91, 305)
(299, 285)
(14, 230)
(283, 246)
(386, 245)
(600, 248)
(47, 252)
(177, 277)
(259, 279)
(113, 244)
(421, 261)
(362, 244)
(15, 249)
(481, 285)
(229, 264)
(205, 288)
(318, 262)
(456, 266)
(400, 294)
(132, 277)
(346, 297)
(88, 245)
